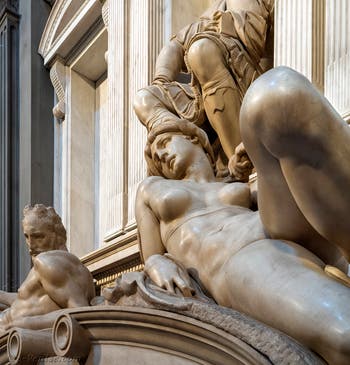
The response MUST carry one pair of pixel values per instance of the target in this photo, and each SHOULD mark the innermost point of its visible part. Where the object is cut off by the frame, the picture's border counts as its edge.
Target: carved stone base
(134, 335)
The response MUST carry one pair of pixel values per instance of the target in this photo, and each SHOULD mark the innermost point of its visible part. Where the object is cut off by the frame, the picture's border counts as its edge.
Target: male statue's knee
(197, 51)
(202, 54)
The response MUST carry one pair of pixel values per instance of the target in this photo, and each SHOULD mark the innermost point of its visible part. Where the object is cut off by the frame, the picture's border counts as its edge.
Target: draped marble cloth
(242, 44)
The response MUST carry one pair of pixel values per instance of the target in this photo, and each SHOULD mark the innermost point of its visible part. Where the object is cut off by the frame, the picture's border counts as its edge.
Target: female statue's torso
(197, 221)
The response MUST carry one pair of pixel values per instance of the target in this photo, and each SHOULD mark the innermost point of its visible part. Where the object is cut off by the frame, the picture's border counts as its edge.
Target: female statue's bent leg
(283, 285)
(300, 147)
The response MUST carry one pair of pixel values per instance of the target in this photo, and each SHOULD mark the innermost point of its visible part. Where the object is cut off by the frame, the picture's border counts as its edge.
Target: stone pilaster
(115, 16)
(145, 43)
(299, 37)
(135, 37)
(9, 146)
(337, 80)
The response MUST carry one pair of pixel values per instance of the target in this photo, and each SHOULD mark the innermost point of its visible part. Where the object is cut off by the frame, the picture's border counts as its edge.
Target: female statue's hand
(168, 274)
(239, 165)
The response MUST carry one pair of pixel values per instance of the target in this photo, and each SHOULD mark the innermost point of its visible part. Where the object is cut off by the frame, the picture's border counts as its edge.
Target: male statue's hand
(239, 165)
(169, 275)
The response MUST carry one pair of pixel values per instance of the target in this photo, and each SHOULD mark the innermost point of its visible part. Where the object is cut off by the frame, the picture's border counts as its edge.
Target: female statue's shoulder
(148, 184)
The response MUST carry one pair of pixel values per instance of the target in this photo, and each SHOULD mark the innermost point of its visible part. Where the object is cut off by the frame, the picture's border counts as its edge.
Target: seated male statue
(57, 279)
(225, 51)
(284, 264)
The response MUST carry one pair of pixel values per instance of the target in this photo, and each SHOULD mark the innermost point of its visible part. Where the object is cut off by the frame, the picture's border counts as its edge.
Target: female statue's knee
(272, 98)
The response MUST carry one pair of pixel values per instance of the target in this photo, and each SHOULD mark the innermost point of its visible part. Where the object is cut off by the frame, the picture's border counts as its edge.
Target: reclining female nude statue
(57, 279)
(284, 264)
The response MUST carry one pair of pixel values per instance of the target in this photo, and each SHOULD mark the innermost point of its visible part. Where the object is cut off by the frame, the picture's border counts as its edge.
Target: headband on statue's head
(183, 127)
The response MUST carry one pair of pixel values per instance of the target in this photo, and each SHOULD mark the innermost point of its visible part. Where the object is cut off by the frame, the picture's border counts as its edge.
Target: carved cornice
(8, 6)
(120, 244)
(105, 12)
(66, 26)
(51, 25)
(50, 2)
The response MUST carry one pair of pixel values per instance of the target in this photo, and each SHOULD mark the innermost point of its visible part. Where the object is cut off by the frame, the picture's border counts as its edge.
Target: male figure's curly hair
(51, 218)
(180, 127)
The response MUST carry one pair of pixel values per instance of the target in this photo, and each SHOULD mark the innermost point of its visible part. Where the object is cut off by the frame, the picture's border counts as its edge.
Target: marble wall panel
(81, 173)
(337, 72)
(299, 37)
(145, 42)
(116, 126)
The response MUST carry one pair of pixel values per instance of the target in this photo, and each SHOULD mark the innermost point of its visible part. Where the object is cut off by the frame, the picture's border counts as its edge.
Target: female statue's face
(174, 153)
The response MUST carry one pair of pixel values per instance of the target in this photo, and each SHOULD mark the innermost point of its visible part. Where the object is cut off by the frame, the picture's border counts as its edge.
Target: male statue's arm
(170, 62)
(6, 299)
(64, 278)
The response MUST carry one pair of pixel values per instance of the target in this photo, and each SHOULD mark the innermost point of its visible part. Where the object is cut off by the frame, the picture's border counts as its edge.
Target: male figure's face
(40, 235)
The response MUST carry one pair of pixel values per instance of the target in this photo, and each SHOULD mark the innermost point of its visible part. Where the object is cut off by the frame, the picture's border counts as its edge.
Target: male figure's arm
(64, 278)
(6, 299)
(170, 62)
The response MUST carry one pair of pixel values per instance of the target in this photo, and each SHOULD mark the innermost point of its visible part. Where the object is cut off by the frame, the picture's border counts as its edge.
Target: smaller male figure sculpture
(57, 279)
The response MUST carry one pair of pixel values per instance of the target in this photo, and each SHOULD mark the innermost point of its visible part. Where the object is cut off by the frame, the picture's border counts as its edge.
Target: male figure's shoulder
(65, 279)
(57, 264)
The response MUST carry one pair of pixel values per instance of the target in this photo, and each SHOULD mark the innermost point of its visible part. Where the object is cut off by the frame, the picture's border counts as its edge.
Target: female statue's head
(173, 146)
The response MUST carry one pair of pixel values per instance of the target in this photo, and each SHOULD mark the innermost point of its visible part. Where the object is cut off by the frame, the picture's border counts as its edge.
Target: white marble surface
(81, 172)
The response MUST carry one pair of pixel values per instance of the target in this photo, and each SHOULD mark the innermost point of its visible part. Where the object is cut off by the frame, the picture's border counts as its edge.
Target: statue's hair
(49, 216)
(180, 127)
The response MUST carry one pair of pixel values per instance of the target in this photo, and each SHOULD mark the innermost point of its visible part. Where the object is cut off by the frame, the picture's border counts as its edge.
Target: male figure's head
(43, 229)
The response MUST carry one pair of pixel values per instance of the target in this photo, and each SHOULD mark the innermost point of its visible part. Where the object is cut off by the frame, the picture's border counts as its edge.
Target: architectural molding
(9, 146)
(129, 238)
(8, 6)
(105, 12)
(105, 17)
(68, 22)
(58, 79)
(56, 15)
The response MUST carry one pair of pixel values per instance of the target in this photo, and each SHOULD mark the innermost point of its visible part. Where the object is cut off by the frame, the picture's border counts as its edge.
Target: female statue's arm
(148, 224)
(163, 271)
